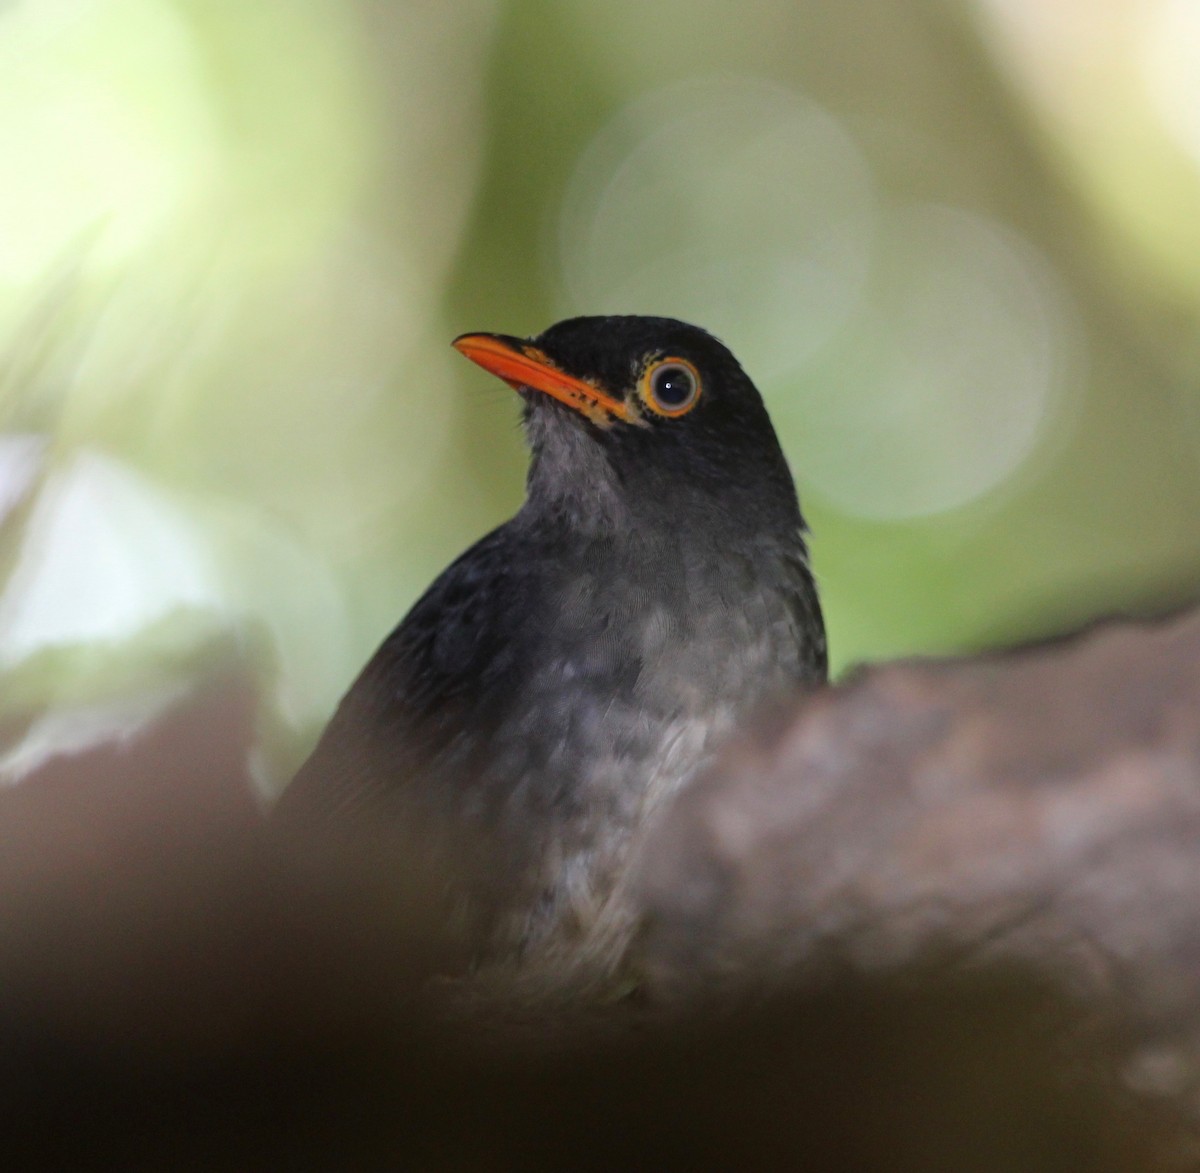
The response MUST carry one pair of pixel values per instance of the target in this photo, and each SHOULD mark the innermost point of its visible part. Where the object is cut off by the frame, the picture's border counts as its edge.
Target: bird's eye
(670, 386)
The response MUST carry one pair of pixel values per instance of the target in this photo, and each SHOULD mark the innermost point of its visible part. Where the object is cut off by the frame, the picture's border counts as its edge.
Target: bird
(575, 668)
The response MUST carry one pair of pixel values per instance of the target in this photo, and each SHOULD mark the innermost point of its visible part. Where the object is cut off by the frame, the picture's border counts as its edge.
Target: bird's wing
(804, 612)
(406, 710)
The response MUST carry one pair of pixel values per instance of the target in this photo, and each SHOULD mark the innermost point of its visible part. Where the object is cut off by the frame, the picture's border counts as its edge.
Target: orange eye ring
(670, 387)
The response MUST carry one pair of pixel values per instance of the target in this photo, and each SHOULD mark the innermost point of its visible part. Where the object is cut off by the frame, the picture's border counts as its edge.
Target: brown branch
(1038, 809)
(942, 916)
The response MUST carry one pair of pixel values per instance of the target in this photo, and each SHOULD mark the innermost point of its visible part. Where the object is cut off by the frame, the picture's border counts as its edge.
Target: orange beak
(521, 365)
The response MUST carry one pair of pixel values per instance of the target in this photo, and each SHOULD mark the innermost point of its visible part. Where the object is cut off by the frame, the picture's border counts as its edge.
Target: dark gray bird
(577, 666)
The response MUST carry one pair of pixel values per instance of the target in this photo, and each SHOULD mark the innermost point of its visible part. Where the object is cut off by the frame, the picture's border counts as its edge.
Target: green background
(956, 245)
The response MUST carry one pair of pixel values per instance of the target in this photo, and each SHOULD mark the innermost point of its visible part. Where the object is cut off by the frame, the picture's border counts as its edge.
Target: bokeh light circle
(942, 385)
(730, 202)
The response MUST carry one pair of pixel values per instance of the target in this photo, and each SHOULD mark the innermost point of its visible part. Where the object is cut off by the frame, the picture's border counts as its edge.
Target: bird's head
(642, 416)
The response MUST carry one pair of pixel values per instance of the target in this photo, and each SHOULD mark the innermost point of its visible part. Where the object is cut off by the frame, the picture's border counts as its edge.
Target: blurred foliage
(955, 244)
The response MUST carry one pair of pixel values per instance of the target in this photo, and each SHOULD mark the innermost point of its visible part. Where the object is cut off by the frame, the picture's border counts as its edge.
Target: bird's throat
(571, 478)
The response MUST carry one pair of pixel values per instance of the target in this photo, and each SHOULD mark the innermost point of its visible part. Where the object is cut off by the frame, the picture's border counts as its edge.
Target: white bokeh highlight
(105, 555)
(1171, 67)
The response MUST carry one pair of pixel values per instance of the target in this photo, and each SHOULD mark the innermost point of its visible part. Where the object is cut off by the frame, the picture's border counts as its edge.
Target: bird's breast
(559, 696)
(634, 689)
